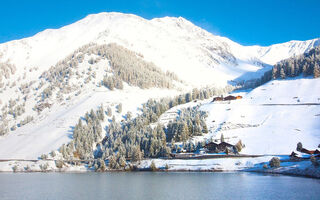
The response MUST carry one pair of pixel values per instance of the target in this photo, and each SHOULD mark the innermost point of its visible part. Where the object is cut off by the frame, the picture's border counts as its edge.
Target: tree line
(306, 64)
(138, 138)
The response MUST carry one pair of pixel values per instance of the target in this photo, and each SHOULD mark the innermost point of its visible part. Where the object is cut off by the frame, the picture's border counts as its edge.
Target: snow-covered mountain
(197, 57)
(173, 44)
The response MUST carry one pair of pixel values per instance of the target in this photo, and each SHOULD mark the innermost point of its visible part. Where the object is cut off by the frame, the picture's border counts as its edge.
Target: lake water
(148, 185)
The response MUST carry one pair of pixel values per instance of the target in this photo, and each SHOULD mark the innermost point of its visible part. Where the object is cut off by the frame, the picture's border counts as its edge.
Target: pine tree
(188, 97)
(282, 73)
(274, 162)
(103, 166)
(185, 132)
(205, 128)
(120, 108)
(112, 161)
(291, 70)
(136, 155)
(239, 146)
(129, 116)
(100, 113)
(153, 166)
(222, 138)
(122, 161)
(299, 146)
(109, 111)
(274, 72)
(195, 94)
(316, 70)
(305, 70)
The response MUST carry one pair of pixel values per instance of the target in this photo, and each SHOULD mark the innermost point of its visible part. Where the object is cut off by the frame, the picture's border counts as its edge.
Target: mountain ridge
(198, 47)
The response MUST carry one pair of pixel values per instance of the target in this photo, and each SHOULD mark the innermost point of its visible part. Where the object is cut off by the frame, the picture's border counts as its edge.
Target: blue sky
(248, 22)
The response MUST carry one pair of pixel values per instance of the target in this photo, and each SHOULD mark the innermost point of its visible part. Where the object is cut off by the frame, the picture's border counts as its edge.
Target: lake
(159, 185)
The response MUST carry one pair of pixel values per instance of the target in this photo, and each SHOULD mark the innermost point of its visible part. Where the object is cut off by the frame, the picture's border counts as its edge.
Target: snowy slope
(175, 44)
(270, 119)
(262, 121)
(274, 53)
(54, 126)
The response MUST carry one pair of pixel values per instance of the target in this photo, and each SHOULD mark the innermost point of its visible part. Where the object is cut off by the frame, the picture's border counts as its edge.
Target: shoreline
(216, 164)
(165, 171)
(274, 171)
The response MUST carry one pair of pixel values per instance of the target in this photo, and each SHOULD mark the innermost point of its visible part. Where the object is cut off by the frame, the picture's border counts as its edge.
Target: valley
(116, 92)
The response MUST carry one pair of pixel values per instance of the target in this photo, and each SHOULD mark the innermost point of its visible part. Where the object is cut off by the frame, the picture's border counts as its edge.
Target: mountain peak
(109, 15)
(172, 43)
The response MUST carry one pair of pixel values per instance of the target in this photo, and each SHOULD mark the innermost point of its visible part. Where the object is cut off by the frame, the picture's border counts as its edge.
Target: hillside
(268, 121)
(50, 80)
(306, 64)
(272, 118)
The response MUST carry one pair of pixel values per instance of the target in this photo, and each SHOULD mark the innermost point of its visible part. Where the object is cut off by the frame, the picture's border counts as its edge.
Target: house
(217, 99)
(220, 148)
(211, 147)
(223, 146)
(229, 98)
